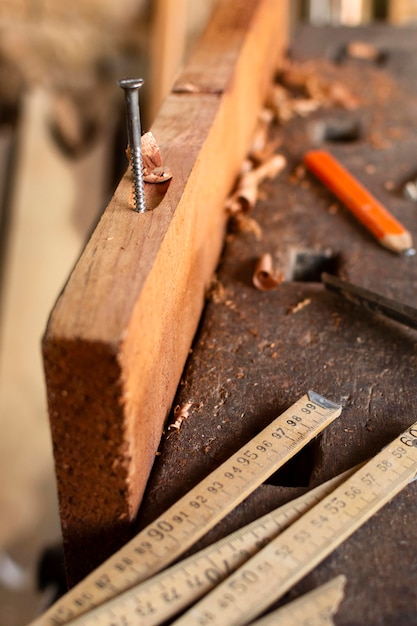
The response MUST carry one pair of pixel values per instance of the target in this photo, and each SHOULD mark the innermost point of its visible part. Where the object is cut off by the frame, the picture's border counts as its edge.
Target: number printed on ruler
(199, 510)
(163, 596)
(285, 560)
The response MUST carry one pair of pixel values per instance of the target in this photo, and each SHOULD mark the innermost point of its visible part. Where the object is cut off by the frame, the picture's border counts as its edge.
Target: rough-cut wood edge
(119, 334)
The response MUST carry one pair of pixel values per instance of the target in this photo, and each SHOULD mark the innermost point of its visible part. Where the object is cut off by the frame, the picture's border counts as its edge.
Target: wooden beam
(119, 335)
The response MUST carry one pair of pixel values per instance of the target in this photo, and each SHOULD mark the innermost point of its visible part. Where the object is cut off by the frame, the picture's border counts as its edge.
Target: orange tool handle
(387, 230)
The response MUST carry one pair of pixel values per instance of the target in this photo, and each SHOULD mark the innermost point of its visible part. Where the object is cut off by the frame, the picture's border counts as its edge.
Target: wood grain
(168, 46)
(119, 335)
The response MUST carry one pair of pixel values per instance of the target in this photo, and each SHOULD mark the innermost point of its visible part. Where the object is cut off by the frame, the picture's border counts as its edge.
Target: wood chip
(260, 138)
(153, 169)
(299, 306)
(265, 277)
(216, 291)
(246, 194)
(151, 154)
(180, 413)
(302, 91)
(243, 223)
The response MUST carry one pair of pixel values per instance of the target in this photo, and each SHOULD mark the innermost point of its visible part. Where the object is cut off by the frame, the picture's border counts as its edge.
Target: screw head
(131, 83)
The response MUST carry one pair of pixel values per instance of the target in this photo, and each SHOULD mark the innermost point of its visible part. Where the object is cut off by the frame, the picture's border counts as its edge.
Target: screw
(131, 88)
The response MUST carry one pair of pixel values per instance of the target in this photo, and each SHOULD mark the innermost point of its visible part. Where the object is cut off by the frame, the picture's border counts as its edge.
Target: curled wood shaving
(216, 291)
(269, 169)
(180, 413)
(262, 148)
(280, 102)
(246, 194)
(158, 175)
(339, 94)
(151, 154)
(243, 223)
(153, 169)
(301, 91)
(265, 277)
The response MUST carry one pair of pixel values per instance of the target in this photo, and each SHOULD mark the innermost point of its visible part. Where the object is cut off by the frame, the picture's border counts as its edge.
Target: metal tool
(171, 534)
(131, 88)
(373, 302)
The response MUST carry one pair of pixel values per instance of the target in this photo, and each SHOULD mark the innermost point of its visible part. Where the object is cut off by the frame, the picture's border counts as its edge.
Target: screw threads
(137, 176)
(131, 88)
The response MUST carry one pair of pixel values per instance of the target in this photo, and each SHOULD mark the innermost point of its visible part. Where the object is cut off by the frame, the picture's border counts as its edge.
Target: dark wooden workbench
(253, 357)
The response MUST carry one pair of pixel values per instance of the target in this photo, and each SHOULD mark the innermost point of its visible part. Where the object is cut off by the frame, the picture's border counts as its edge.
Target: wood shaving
(242, 223)
(339, 94)
(153, 169)
(159, 175)
(151, 154)
(279, 100)
(299, 306)
(216, 291)
(301, 91)
(180, 413)
(265, 277)
(246, 194)
(262, 148)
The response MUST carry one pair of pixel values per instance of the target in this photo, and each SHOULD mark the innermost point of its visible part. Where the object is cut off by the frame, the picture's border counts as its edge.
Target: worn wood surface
(168, 47)
(257, 352)
(120, 333)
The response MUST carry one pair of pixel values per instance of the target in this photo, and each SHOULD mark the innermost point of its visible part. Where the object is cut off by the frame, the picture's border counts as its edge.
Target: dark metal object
(371, 301)
(131, 88)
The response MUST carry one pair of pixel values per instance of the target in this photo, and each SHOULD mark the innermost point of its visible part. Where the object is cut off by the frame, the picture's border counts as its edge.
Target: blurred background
(62, 142)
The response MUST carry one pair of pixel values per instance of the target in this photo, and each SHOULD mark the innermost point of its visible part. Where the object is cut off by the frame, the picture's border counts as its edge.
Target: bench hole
(336, 131)
(298, 470)
(308, 265)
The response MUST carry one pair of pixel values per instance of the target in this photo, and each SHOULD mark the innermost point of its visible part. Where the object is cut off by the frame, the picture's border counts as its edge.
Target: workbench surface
(255, 353)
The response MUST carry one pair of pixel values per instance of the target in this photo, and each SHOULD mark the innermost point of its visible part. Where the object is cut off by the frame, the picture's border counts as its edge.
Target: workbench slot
(307, 265)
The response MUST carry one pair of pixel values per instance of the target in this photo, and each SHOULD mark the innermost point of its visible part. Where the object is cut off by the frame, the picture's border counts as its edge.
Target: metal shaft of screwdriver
(131, 88)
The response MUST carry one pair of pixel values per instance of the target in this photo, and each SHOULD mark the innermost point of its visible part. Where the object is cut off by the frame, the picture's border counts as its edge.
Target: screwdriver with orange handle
(377, 219)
